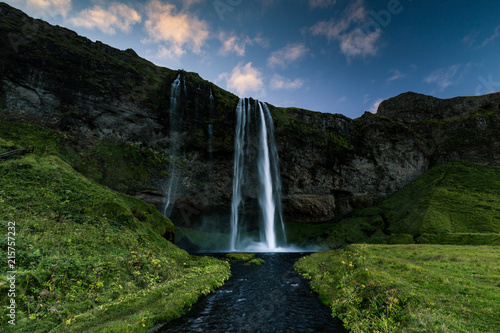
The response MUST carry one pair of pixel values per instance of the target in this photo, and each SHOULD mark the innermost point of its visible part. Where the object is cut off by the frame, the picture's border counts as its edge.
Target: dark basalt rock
(410, 107)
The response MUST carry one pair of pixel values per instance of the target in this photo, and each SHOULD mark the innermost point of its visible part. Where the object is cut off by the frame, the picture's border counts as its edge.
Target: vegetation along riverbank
(409, 288)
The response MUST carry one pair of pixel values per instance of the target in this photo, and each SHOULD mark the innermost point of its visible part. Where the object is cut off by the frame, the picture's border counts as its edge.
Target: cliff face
(113, 107)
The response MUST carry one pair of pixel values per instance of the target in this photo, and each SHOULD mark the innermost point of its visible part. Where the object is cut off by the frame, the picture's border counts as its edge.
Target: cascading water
(211, 127)
(256, 180)
(175, 124)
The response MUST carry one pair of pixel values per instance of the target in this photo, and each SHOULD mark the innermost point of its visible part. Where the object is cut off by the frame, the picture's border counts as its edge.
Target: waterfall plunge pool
(259, 298)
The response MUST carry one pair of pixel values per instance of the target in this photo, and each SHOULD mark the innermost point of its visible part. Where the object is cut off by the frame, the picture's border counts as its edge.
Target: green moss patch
(257, 262)
(123, 167)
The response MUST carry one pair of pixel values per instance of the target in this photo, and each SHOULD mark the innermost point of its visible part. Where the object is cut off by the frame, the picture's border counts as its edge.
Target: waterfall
(239, 159)
(256, 178)
(211, 127)
(175, 124)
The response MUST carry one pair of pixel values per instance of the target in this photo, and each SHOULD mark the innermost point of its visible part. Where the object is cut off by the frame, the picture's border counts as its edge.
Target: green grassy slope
(89, 259)
(409, 288)
(452, 203)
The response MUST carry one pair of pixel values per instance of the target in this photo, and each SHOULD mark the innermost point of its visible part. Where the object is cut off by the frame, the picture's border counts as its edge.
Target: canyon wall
(113, 109)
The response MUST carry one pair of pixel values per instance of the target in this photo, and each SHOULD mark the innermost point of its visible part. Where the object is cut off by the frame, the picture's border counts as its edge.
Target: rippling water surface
(267, 298)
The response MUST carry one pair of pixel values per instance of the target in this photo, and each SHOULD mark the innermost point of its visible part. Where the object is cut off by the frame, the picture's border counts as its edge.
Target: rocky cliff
(113, 109)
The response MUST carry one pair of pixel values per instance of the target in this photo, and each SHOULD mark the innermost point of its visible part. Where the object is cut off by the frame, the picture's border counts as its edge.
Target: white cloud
(172, 52)
(473, 38)
(179, 30)
(470, 39)
(445, 77)
(321, 3)
(375, 105)
(395, 75)
(279, 82)
(234, 44)
(495, 35)
(342, 99)
(358, 43)
(290, 53)
(351, 32)
(116, 16)
(48, 8)
(366, 98)
(244, 79)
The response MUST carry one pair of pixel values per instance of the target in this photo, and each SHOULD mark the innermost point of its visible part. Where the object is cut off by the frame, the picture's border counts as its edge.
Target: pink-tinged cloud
(180, 31)
(244, 80)
(49, 8)
(116, 16)
(237, 45)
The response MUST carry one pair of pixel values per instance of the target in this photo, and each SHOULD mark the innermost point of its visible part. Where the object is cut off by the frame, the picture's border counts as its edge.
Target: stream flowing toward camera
(268, 298)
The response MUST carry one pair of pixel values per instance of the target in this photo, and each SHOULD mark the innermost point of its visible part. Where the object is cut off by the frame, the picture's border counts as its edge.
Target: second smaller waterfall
(175, 124)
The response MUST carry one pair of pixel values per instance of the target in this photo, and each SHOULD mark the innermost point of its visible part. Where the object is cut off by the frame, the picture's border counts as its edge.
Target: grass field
(409, 288)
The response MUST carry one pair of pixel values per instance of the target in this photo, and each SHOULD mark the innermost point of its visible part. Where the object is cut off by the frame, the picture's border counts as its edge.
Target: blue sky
(333, 56)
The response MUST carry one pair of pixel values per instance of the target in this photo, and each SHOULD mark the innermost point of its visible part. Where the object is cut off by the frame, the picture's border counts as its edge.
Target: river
(268, 298)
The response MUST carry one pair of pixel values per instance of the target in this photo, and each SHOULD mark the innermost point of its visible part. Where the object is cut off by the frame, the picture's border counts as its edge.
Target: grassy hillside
(452, 203)
(89, 259)
(409, 288)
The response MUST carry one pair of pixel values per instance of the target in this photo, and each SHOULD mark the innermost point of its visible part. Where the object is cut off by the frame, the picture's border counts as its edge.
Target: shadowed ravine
(267, 298)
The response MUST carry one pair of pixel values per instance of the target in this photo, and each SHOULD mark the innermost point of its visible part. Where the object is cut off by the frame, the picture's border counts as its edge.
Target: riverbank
(409, 288)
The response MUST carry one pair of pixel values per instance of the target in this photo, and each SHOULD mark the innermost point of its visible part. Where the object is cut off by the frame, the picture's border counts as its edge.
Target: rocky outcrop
(410, 107)
(102, 98)
(461, 128)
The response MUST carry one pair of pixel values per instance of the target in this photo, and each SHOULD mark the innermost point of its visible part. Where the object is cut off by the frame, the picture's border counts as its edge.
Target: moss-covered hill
(89, 259)
(452, 203)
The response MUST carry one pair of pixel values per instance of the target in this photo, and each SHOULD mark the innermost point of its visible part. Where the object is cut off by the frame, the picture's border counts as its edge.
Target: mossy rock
(241, 256)
(257, 261)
